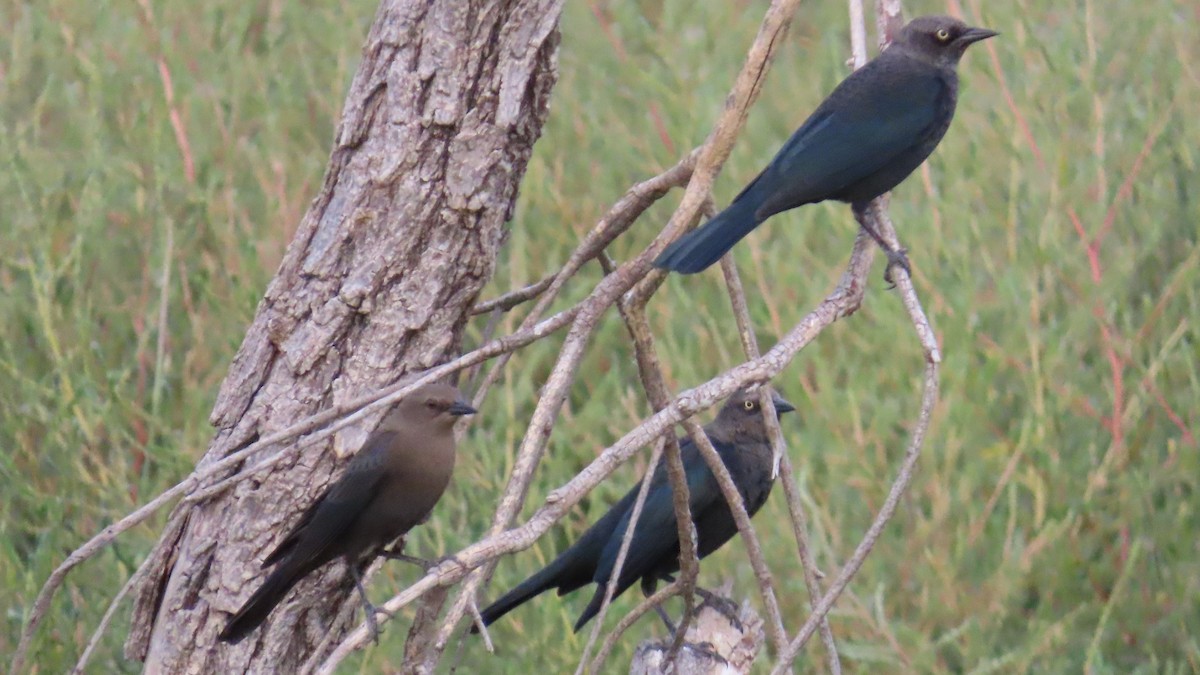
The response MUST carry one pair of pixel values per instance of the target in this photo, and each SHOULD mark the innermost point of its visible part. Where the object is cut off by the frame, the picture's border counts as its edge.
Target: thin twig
(468, 380)
(662, 595)
(619, 218)
(105, 620)
(626, 542)
(741, 313)
(877, 214)
(650, 372)
(513, 298)
(928, 400)
(737, 507)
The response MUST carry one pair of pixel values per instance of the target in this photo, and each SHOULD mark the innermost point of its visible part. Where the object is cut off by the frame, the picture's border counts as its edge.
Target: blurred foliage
(158, 159)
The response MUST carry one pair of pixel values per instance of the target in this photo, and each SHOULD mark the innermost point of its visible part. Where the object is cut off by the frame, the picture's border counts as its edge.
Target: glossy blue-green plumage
(872, 131)
(739, 437)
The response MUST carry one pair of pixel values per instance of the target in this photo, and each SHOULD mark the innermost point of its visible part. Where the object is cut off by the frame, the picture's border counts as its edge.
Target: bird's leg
(666, 619)
(394, 554)
(896, 257)
(723, 605)
(426, 565)
(369, 609)
(649, 584)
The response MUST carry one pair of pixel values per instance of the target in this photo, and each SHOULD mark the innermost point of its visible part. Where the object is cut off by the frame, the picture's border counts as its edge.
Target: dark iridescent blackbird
(876, 127)
(739, 435)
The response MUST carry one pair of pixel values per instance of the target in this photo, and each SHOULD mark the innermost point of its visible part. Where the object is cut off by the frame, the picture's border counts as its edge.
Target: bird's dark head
(434, 403)
(743, 413)
(939, 39)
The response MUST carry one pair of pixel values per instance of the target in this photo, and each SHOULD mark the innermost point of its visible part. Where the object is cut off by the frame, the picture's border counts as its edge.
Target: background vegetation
(157, 160)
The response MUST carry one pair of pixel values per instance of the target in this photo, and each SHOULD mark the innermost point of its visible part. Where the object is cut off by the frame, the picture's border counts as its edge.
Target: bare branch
(741, 313)
(626, 541)
(102, 627)
(858, 35)
(659, 597)
(877, 214)
(889, 19)
(513, 298)
(650, 371)
(753, 548)
(619, 218)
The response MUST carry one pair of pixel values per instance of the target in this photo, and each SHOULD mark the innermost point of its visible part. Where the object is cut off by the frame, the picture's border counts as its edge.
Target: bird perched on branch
(739, 434)
(389, 487)
(876, 127)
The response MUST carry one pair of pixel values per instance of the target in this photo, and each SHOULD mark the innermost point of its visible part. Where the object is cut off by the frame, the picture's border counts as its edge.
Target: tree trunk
(436, 133)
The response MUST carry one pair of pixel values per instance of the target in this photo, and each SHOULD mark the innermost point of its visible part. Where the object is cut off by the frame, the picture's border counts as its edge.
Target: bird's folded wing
(336, 509)
(846, 141)
(656, 535)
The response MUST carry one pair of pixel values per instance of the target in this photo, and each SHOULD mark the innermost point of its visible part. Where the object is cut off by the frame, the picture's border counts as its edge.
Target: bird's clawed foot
(372, 625)
(369, 608)
(722, 605)
(896, 258)
(707, 649)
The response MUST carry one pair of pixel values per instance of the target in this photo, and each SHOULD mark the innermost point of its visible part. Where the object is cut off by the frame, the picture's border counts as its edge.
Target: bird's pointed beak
(781, 405)
(459, 408)
(972, 35)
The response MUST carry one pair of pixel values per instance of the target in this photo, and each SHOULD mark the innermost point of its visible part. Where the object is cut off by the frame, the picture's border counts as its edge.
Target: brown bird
(389, 487)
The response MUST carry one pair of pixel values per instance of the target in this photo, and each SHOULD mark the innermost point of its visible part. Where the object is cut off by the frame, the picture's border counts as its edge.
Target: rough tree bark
(435, 136)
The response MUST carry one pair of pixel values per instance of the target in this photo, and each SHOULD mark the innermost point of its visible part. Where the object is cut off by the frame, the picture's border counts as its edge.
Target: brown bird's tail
(259, 606)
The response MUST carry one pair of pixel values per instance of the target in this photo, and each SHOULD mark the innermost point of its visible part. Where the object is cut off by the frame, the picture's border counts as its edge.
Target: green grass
(1053, 524)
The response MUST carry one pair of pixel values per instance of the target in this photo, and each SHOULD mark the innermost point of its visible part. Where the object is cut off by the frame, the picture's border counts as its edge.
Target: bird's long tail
(700, 248)
(524, 592)
(259, 606)
(593, 606)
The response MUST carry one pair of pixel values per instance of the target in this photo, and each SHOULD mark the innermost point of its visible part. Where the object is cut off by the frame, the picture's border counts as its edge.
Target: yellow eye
(942, 34)
(748, 405)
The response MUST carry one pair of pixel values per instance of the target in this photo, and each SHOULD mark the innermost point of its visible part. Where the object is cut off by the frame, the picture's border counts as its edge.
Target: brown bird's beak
(972, 35)
(459, 408)
(781, 404)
